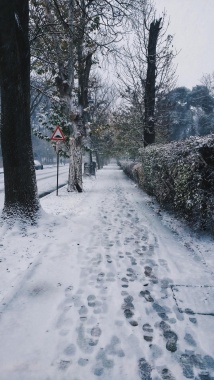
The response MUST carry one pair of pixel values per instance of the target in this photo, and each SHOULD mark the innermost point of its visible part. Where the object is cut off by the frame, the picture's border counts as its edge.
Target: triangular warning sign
(58, 135)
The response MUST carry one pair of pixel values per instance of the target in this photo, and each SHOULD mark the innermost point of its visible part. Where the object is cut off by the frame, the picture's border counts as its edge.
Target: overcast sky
(192, 23)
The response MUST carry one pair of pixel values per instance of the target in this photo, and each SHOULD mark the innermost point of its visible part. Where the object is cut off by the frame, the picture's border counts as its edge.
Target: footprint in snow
(85, 343)
(82, 362)
(190, 340)
(108, 257)
(198, 361)
(161, 311)
(151, 249)
(145, 370)
(128, 307)
(170, 336)
(209, 361)
(165, 283)
(98, 371)
(110, 277)
(102, 358)
(156, 351)
(100, 277)
(146, 294)
(131, 274)
(148, 273)
(128, 302)
(64, 364)
(133, 323)
(133, 261)
(91, 300)
(193, 320)
(128, 313)
(70, 350)
(96, 331)
(149, 331)
(187, 366)
(125, 282)
(167, 374)
(164, 264)
(204, 376)
(83, 313)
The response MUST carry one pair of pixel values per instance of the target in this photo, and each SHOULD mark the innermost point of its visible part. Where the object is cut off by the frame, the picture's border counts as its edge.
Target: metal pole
(57, 181)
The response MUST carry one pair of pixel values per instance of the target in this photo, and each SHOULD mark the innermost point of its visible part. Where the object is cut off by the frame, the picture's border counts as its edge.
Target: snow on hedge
(181, 177)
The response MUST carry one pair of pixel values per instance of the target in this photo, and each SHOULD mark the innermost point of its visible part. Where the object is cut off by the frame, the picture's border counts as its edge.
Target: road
(107, 293)
(46, 179)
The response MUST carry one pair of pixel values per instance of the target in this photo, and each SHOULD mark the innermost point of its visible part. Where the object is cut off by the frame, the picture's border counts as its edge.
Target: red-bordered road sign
(58, 134)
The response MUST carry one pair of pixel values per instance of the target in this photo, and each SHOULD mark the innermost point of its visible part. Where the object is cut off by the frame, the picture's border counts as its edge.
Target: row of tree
(58, 42)
(145, 60)
(51, 52)
(190, 112)
(179, 114)
(77, 35)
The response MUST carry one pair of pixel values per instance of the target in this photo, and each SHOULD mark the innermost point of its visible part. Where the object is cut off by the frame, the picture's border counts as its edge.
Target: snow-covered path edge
(81, 292)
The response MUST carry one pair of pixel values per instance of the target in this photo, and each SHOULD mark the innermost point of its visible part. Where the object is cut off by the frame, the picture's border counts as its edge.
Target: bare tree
(74, 31)
(147, 70)
(150, 88)
(102, 102)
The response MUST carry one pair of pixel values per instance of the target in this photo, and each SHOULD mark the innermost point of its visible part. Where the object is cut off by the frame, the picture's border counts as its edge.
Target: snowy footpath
(105, 289)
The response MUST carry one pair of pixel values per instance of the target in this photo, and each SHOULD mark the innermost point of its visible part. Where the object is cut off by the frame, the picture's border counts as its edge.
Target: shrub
(181, 177)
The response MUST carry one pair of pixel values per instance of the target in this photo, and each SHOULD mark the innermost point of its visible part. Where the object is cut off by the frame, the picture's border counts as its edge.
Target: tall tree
(150, 86)
(21, 200)
(102, 101)
(73, 32)
(147, 76)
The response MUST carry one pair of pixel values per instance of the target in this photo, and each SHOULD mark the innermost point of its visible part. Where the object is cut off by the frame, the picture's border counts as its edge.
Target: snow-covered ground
(105, 287)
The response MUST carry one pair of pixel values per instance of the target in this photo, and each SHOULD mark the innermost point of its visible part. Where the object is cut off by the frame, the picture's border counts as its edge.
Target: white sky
(192, 23)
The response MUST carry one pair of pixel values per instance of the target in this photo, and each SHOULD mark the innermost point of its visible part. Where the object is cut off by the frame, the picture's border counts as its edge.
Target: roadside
(103, 289)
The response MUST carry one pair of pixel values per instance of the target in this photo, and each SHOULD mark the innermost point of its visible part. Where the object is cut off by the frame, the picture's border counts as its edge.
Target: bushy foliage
(181, 177)
(187, 112)
(133, 170)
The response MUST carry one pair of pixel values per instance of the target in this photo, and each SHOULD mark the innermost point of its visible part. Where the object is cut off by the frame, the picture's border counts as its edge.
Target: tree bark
(149, 99)
(75, 166)
(21, 199)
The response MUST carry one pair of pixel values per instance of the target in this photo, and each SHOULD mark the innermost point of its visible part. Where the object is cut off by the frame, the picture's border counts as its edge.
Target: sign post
(57, 136)
(57, 175)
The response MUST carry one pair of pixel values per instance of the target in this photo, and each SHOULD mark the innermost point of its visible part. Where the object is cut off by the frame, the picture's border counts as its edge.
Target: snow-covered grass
(20, 246)
(94, 291)
(66, 204)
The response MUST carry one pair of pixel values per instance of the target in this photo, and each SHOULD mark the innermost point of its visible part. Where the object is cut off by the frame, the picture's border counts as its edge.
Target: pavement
(115, 295)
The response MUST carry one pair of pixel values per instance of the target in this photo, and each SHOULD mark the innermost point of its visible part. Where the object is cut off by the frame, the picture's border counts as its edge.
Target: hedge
(180, 175)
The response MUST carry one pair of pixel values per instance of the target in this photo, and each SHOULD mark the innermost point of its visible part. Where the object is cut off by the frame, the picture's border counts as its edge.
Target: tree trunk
(87, 162)
(98, 160)
(75, 166)
(21, 199)
(65, 84)
(149, 99)
(84, 68)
